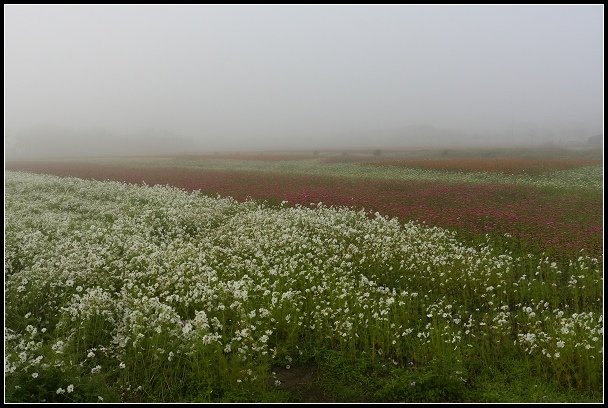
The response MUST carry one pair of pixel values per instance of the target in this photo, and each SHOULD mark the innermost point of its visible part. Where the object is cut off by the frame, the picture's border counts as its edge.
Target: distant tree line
(596, 140)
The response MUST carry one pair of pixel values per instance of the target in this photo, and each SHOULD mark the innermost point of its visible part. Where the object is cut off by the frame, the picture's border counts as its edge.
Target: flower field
(511, 165)
(123, 292)
(588, 177)
(556, 220)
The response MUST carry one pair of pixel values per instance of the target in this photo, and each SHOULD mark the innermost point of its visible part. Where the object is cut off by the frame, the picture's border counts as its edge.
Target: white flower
(60, 391)
(121, 365)
(57, 347)
(560, 344)
(70, 388)
(34, 375)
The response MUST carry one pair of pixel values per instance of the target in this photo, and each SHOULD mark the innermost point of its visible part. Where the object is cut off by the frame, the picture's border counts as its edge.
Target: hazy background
(111, 79)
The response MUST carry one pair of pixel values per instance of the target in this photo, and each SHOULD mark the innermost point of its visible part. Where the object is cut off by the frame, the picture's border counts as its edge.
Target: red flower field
(563, 223)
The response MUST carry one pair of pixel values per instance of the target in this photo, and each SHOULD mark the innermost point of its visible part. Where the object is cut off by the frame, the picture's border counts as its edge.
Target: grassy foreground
(117, 292)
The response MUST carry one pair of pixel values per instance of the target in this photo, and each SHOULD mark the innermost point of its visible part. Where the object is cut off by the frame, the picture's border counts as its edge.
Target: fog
(97, 80)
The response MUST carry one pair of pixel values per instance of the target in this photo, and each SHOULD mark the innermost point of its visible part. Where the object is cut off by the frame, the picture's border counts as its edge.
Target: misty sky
(297, 76)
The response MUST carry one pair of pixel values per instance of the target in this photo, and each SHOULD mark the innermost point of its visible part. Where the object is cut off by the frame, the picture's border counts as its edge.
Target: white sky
(289, 76)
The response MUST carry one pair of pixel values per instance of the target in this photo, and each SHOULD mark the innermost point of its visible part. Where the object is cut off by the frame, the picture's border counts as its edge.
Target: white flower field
(155, 294)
